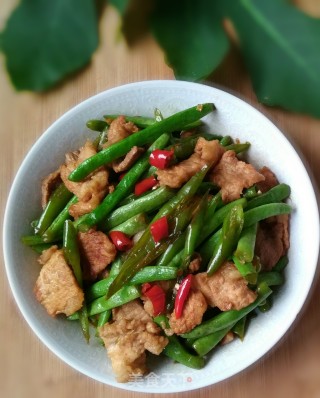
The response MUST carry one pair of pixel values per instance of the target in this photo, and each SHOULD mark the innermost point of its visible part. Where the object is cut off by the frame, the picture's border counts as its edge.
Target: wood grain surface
(27, 368)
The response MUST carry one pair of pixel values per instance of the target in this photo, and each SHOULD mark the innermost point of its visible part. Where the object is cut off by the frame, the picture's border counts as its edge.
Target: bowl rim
(117, 89)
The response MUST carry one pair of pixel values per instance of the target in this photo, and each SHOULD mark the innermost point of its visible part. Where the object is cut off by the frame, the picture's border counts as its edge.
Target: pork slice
(120, 129)
(92, 189)
(225, 289)
(49, 184)
(233, 175)
(270, 180)
(273, 240)
(56, 287)
(193, 310)
(98, 252)
(125, 163)
(127, 338)
(206, 152)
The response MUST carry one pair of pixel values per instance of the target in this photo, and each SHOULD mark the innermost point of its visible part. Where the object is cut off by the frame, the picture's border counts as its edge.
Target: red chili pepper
(160, 229)
(157, 297)
(120, 240)
(145, 185)
(161, 158)
(182, 295)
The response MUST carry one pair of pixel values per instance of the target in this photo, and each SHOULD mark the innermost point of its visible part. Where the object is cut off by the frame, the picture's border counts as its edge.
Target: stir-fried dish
(160, 236)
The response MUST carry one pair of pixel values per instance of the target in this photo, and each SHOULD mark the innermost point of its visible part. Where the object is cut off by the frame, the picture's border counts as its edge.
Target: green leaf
(120, 5)
(281, 48)
(44, 41)
(191, 35)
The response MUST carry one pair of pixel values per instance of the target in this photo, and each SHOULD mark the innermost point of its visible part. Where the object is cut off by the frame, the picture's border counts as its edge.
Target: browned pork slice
(205, 152)
(272, 240)
(97, 250)
(119, 130)
(90, 191)
(49, 184)
(56, 287)
(125, 163)
(225, 289)
(193, 310)
(270, 180)
(127, 338)
(233, 175)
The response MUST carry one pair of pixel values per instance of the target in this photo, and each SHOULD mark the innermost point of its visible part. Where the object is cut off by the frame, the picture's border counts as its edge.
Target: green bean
(96, 125)
(228, 318)
(275, 194)
(121, 297)
(240, 328)
(55, 231)
(153, 274)
(133, 225)
(262, 212)
(172, 250)
(193, 232)
(72, 254)
(250, 193)
(231, 230)
(271, 278)
(143, 137)
(116, 265)
(247, 270)
(41, 247)
(206, 249)
(281, 264)
(176, 351)
(238, 148)
(124, 187)
(104, 318)
(207, 343)
(33, 240)
(147, 203)
(226, 140)
(56, 203)
(245, 248)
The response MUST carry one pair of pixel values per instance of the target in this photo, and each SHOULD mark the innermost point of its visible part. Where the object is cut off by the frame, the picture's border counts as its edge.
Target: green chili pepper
(271, 278)
(247, 270)
(228, 318)
(56, 203)
(231, 230)
(143, 137)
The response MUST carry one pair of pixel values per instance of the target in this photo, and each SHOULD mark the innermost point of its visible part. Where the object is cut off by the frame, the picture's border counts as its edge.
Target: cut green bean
(228, 318)
(121, 297)
(153, 201)
(240, 328)
(104, 318)
(143, 137)
(238, 148)
(262, 212)
(96, 125)
(275, 194)
(124, 188)
(205, 344)
(56, 203)
(246, 244)
(55, 231)
(281, 264)
(271, 278)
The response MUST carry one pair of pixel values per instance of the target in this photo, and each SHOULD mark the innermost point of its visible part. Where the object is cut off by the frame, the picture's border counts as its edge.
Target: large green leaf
(281, 48)
(191, 35)
(45, 40)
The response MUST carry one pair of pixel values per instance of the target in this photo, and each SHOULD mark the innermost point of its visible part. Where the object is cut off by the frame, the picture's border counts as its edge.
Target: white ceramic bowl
(233, 117)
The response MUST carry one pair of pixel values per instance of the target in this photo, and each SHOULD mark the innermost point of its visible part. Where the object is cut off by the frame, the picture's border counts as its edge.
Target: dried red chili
(160, 229)
(161, 158)
(120, 240)
(145, 185)
(182, 295)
